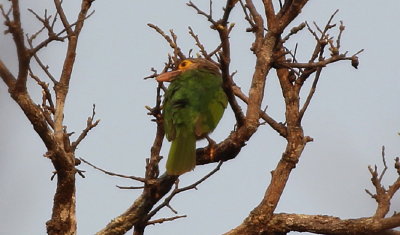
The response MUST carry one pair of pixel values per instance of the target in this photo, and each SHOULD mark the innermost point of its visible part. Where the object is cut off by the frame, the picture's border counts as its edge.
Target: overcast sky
(353, 113)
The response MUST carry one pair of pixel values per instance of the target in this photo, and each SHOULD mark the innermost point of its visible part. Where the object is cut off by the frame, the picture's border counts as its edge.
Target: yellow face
(184, 65)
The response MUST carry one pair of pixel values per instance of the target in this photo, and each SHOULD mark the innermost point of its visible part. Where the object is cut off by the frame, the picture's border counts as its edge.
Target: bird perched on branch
(193, 105)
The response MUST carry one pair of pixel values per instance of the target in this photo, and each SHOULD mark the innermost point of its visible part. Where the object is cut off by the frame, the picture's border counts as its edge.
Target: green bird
(193, 105)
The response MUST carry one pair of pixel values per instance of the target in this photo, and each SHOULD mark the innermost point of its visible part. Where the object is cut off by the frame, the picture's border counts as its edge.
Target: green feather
(182, 154)
(193, 105)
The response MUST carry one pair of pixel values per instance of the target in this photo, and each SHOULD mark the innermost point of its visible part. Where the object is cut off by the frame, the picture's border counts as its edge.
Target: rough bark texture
(47, 119)
(268, 25)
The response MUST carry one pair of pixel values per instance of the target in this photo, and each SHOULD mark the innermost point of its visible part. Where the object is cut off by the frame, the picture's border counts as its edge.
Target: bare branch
(270, 14)
(384, 164)
(382, 196)
(230, 4)
(318, 64)
(289, 11)
(62, 86)
(339, 38)
(397, 165)
(89, 126)
(136, 213)
(15, 28)
(177, 190)
(152, 169)
(63, 17)
(130, 187)
(310, 94)
(248, 18)
(45, 68)
(6, 15)
(52, 36)
(162, 220)
(200, 12)
(199, 44)
(6, 75)
(114, 174)
(223, 31)
(258, 26)
(46, 93)
(154, 75)
(83, 15)
(279, 127)
(322, 224)
(293, 31)
(177, 50)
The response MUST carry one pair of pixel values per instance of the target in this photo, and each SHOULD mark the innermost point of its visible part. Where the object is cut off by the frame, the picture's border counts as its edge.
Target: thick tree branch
(322, 224)
(266, 53)
(257, 26)
(290, 10)
(270, 53)
(63, 219)
(63, 17)
(63, 156)
(270, 14)
(7, 76)
(15, 28)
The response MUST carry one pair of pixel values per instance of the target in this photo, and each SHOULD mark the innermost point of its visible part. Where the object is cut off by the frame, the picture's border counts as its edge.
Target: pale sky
(353, 113)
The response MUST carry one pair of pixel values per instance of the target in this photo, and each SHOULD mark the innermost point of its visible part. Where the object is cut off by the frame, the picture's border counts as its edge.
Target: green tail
(182, 154)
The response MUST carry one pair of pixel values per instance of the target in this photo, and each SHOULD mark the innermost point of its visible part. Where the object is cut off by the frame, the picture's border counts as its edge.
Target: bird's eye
(184, 65)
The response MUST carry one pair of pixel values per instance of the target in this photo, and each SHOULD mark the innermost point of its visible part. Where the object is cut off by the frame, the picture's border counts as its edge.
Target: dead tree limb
(47, 121)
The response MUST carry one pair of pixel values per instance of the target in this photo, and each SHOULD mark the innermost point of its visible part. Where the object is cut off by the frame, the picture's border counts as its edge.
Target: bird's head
(186, 65)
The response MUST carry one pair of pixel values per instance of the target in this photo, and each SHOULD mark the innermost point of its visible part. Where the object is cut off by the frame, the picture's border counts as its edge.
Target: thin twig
(89, 126)
(278, 127)
(152, 169)
(224, 55)
(154, 75)
(46, 92)
(200, 12)
(140, 179)
(172, 44)
(45, 68)
(384, 164)
(130, 187)
(180, 190)
(293, 31)
(199, 44)
(162, 220)
(318, 64)
(382, 195)
(310, 94)
(248, 18)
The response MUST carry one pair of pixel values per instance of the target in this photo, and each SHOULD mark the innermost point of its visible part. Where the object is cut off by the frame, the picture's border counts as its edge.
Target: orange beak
(168, 76)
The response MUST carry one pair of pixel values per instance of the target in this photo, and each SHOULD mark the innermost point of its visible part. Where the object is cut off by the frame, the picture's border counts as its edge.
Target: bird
(193, 105)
